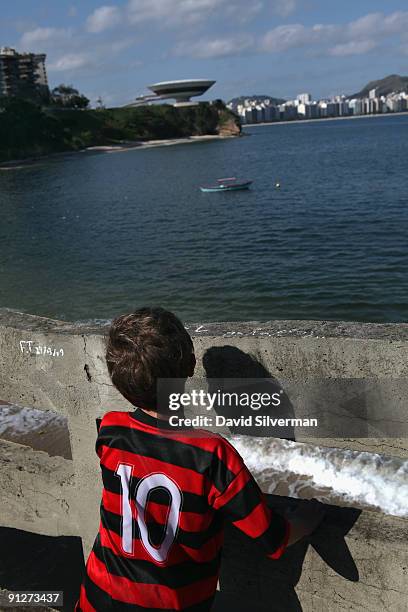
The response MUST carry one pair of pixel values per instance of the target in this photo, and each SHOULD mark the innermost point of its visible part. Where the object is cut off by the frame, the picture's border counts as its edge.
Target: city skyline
(275, 47)
(251, 110)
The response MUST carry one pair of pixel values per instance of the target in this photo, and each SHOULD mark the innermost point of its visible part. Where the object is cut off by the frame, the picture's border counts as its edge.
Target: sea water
(89, 236)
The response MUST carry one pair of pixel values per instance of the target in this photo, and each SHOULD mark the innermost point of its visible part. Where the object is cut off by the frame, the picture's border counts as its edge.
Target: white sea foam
(16, 421)
(359, 478)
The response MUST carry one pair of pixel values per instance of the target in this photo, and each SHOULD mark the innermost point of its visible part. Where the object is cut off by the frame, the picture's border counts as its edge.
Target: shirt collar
(142, 416)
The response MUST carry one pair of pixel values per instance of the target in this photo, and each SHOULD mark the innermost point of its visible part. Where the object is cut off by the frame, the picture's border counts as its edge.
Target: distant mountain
(233, 104)
(391, 83)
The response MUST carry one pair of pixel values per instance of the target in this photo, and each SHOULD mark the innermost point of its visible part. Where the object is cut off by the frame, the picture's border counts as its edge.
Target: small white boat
(227, 184)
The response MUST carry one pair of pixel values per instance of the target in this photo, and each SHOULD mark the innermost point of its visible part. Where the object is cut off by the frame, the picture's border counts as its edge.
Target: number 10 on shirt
(145, 487)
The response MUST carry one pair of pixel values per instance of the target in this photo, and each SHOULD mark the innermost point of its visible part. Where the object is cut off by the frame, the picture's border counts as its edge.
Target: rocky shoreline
(119, 148)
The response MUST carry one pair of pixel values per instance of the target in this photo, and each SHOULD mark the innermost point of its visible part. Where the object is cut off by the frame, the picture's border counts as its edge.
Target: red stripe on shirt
(149, 595)
(208, 551)
(179, 553)
(188, 480)
(232, 490)
(83, 603)
(199, 438)
(110, 539)
(256, 522)
(188, 521)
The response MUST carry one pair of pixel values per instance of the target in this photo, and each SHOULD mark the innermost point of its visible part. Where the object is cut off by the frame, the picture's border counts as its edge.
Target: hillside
(26, 130)
(233, 104)
(393, 82)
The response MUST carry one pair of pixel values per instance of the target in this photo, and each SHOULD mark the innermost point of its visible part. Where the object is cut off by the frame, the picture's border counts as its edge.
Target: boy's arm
(244, 504)
(304, 520)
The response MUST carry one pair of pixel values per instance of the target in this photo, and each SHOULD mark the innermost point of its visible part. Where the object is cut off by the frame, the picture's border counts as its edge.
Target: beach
(149, 144)
(119, 148)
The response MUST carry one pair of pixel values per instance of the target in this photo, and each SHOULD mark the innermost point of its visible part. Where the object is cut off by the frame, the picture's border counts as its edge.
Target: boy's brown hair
(144, 346)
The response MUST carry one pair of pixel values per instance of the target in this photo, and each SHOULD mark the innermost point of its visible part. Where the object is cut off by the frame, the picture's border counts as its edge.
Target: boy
(166, 493)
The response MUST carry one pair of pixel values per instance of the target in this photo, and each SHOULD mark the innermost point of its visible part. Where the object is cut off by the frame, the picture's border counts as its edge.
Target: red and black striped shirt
(165, 497)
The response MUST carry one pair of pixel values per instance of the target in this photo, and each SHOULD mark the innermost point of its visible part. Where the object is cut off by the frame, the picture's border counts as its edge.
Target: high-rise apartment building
(304, 98)
(22, 74)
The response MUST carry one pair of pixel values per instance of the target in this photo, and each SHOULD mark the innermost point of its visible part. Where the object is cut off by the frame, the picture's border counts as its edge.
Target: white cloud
(34, 37)
(172, 10)
(215, 48)
(359, 47)
(189, 12)
(355, 38)
(286, 37)
(69, 62)
(325, 33)
(397, 22)
(77, 51)
(378, 24)
(181, 12)
(365, 26)
(375, 26)
(103, 18)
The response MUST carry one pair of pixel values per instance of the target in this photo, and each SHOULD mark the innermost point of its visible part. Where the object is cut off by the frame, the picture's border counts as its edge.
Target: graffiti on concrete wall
(28, 347)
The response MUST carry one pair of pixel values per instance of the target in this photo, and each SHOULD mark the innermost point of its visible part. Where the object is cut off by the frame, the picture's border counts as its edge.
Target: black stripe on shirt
(102, 602)
(169, 450)
(192, 539)
(145, 572)
(243, 502)
(273, 537)
(192, 502)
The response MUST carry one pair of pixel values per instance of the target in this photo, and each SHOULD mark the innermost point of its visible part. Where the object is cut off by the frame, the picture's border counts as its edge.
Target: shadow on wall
(29, 561)
(229, 369)
(251, 581)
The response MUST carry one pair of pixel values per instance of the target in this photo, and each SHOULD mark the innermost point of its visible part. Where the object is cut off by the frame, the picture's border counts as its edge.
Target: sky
(274, 47)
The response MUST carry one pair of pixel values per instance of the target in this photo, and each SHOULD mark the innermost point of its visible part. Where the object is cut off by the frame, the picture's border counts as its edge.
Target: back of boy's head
(144, 346)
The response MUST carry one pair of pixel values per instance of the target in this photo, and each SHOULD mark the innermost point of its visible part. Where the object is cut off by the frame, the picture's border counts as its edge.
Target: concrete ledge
(393, 332)
(37, 491)
(302, 329)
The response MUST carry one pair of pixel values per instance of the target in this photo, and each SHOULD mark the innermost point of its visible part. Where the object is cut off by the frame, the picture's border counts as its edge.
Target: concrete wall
(37, 491)
(366, 571)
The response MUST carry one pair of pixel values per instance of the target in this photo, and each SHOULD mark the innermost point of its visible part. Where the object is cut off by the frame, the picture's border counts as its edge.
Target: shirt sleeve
(102, 438)
(243, 503)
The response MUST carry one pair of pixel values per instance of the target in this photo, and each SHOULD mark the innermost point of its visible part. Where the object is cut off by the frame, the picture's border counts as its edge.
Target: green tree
(25, 130)
(66, 96)
(218, 104)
